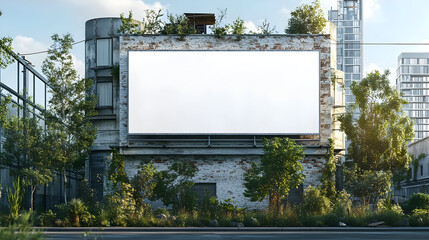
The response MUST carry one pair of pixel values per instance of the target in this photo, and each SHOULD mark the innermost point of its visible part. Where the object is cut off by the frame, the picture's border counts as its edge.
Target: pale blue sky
(31, 22)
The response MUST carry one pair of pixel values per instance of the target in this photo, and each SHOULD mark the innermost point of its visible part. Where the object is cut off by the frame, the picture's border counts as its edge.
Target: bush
(331, 220)
(417, 201)
(358, 216)
(21, 229)
(47, 219)
(343, 204)
(420, 218)
(392, 218)
(312, 221)
(74, 213)
(315, 203)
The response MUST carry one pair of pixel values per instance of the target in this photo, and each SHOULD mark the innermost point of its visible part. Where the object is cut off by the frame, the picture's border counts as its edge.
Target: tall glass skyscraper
(348, 19)
(412, 79)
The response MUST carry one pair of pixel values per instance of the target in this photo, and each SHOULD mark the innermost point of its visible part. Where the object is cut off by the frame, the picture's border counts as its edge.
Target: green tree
(327, 185)
(144, 183)
(379, 135)
(279, 172)
(70, 131)
(174, 186)
(366, 184)
(5, 50)
(307, 19)
(25, 153)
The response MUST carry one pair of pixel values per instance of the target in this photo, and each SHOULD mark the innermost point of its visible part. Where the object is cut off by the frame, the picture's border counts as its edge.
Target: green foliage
(25, 152)
(70, 131)
(129, 25)
(152, 23)
(116, 170)
(279, 172)
(379, 135)
(86, 193)
(327, 186)
(417, 201)
(265, 28)
(119, 207)
(342, 204)
(416, 162)
(21, 230)
(315, 203)
(144, 184)
(392, 218)
(212, 208)
(6, 53)
(47, 219)
(4, 111)
(386, 204)
(78, 211)
(15, 196)
(307, 19)
(420, 218)
(238, 28)
(74, 213)
(174, 186)
(179, 24)
(389, 212)
(115, 71)
(365, 184)
(218, 28)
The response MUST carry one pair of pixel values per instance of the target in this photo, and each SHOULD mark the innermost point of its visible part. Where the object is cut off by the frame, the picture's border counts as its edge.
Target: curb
(232, 229)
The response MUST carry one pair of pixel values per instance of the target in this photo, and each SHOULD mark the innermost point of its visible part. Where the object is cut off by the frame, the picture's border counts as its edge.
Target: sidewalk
(233, 229)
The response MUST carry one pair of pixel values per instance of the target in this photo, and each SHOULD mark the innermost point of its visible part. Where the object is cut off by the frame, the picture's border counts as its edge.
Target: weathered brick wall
(227, 169)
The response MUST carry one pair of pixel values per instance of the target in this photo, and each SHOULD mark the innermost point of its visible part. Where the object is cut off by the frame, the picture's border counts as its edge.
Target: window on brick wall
(204, 189)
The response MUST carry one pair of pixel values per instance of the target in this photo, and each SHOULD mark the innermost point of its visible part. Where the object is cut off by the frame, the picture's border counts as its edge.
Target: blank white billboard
(224, 92)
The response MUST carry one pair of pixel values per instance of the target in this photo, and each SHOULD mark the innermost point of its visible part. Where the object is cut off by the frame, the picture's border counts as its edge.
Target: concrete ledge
(232, 229)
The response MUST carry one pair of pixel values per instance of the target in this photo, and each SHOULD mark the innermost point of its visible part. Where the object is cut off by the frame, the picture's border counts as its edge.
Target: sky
(31, 23)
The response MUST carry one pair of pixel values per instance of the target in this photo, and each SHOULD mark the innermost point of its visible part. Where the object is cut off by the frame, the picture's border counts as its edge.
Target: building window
(203, 190)
(104, 52)
(104, 94)
(421, 170)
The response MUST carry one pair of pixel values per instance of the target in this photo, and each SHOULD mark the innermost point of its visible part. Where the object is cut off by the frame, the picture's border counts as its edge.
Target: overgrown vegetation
(238, 28)
(179, 25)
(219, 29)
(265, 28)
(279, 172)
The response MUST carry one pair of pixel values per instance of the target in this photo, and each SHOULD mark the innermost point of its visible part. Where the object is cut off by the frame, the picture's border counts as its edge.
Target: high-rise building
(348, 18)
(413, 81)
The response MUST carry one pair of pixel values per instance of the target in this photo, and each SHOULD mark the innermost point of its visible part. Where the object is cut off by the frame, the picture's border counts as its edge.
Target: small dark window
(204, 189)
(421, 170)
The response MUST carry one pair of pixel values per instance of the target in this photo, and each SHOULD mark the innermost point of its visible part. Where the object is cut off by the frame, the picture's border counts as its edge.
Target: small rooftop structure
(201, 21)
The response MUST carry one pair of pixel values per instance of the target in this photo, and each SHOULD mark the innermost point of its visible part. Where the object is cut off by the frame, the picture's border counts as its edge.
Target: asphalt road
(238, 235)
